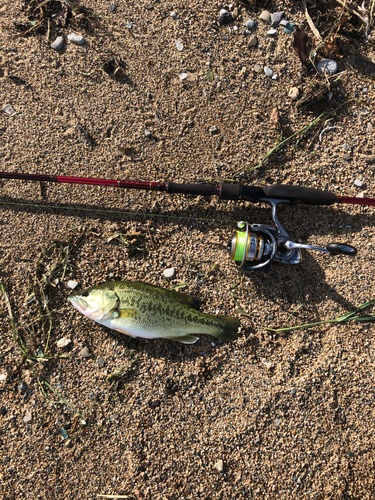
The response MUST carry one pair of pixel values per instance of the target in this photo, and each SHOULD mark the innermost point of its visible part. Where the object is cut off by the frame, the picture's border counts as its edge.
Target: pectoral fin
(124, 332)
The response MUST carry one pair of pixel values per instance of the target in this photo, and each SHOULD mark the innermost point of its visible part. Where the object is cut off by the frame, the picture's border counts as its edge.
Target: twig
(32, 27)
(310, 22)
(48, 29)
(352, 10)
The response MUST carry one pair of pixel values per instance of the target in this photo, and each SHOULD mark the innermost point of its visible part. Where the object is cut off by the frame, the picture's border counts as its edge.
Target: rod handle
(196, 189)
(296, 194)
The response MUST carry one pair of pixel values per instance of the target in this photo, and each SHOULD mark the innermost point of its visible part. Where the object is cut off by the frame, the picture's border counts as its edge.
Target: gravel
(164, 414)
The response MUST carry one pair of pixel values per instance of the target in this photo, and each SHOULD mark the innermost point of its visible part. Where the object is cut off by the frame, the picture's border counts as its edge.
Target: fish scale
(142, 310)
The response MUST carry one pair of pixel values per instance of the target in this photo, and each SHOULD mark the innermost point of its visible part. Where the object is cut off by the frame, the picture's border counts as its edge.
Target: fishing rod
(253, 246)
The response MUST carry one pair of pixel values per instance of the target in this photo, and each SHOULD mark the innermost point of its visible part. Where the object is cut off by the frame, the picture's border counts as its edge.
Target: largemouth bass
(143, 310)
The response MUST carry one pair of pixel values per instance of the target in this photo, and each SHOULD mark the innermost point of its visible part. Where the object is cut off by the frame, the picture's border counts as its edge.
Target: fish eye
(85, 293)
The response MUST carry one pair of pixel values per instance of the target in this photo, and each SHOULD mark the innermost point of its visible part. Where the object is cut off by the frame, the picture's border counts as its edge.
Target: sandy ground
(286, 415)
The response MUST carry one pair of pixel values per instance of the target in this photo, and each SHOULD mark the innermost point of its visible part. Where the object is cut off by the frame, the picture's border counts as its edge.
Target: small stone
(257, 68)
(112, 8)
(277, 422)
(250, 24)
(369, 127)
(7, 108)
(84, 353)
(128, 25)
(92, 396)
(101, 362)
(22, 387)
(69, 443)
(267, 364)
(253, 42)
(257, 440)
(63, 342)
(274, 77)
(272, 33)
(268, 71)
(148, 134)
(219, 466)
(3, 411)
(3, 377)
(149, 95)
(179, 45)
(265, 16)
(169, 273)
(276, 17)
(284, 22)
(27, 418)
(70, 132)
(76, 39)
(328, 66)
(358, 183)
(293, 93)
(183, 76)
(148, 6)
(289, 28)
(225, 17)
(213, 130)
(62, 433)
(72, 284)
(58, 44)
(173, 14)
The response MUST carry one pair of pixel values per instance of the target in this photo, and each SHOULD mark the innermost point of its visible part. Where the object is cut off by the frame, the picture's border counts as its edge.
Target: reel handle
(341, 249)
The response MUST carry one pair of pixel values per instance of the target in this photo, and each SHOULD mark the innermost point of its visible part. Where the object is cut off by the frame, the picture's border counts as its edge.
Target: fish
(140, 309)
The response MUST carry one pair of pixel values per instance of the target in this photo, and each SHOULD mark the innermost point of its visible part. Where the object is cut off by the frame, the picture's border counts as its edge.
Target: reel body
(255, 246)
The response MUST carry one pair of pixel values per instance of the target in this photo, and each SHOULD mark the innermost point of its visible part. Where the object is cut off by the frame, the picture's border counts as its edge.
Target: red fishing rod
(253, 246)
(235, 192)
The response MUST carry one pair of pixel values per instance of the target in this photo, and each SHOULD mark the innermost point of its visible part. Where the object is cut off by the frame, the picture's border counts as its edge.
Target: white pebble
(174, 14)
(77, 39)
(72, 284)
(63, 342)
(358, 183)
(267, 364)
(183, 76)
(219, 466)
(179, 45)
(84, 353)
(27, 417)
(3, 377)
(169, 273)
(272, 33)
(7, 108)
(268, 71)
(274, 77)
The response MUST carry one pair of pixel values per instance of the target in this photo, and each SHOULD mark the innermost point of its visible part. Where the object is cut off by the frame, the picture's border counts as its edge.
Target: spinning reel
(256, 246)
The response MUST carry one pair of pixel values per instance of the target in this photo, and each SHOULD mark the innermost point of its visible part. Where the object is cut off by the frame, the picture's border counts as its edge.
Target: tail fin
(229, 328)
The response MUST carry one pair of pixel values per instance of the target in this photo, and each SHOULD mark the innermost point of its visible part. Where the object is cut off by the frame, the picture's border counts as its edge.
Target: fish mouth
(80, 304)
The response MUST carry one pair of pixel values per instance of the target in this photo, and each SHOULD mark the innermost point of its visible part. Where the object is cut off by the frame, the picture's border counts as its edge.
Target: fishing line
(117, 212)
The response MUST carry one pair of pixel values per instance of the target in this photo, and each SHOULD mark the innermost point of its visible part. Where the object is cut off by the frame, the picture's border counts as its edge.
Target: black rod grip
(296, 194)
(196, 189)
(341, 248)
